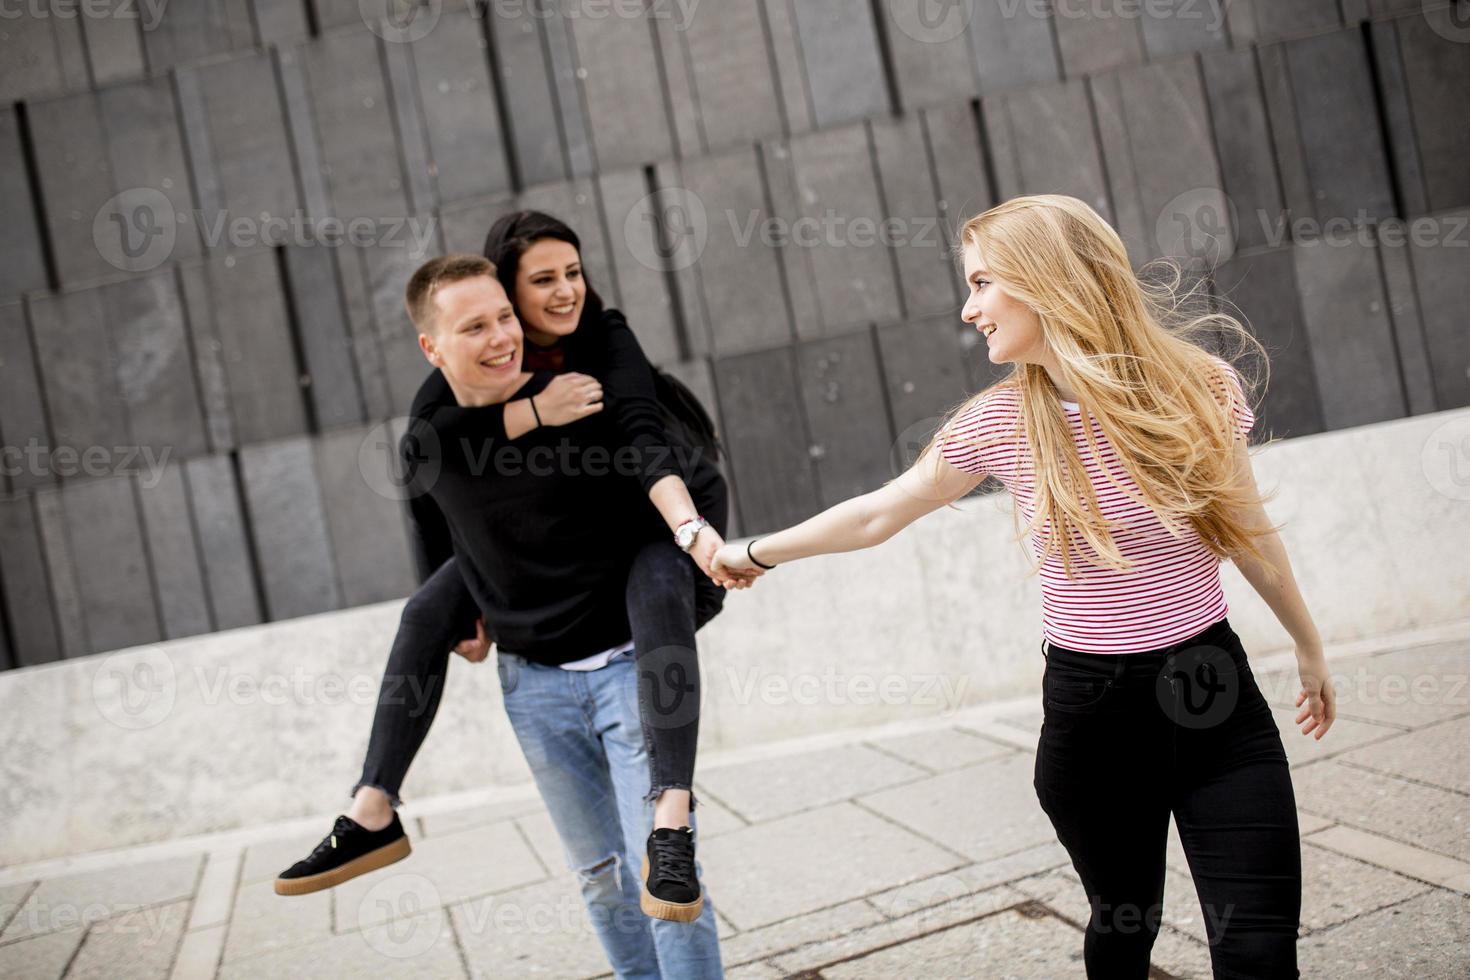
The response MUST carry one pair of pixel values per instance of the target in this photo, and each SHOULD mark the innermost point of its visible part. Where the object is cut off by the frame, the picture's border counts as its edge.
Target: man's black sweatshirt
(544, 528)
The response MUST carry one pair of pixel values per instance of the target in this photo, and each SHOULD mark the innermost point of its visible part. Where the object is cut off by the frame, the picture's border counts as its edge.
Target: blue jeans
(580, 732)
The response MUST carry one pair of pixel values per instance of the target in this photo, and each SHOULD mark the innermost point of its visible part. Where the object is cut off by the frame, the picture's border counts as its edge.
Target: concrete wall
(270, 722)
(181, 350)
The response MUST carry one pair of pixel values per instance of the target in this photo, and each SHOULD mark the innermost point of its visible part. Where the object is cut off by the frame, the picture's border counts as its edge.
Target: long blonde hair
(1131, 349)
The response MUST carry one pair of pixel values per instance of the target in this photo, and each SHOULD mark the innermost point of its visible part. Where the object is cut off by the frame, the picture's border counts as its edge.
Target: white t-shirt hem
(598, 660)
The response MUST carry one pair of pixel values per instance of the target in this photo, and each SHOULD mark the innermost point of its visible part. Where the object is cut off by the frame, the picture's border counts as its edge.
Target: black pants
(1129, 739)
(669, 598)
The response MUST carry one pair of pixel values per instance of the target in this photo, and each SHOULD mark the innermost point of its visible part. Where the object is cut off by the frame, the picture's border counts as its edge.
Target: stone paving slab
(1336, 888)
(1406, 688)
(1405, 859)
(754, 971)
(137, 945)
(943, 750)
(967, 880)
(199, 954)
(448, 822)
(712, 817)
(811, 860)
(11, 897)
(1435, 754)
(541, 930)
(1181, 956)
(777, 787)
(1008, 945)
(1425, 938)
(888, 933)
(40, 958)
(1345, 735)
(264, 922)
(983, 811)
(1026, 721)
(539, 831)
(440, 871)
(70, 900)
(801, 930)
(1424, 816)
(419, 947)
(1061, 891)
(216, 892)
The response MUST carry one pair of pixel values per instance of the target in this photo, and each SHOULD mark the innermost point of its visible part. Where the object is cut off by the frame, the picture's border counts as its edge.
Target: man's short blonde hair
(429, 277)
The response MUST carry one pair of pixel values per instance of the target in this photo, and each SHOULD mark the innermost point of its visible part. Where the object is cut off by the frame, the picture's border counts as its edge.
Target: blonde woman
(1123, 445)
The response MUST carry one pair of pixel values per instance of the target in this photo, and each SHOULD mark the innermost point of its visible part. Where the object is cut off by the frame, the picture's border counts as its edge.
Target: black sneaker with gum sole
(348, 851)
(670, 888)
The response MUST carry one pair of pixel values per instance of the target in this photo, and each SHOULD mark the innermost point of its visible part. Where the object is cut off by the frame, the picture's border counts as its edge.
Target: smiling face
(550, 290)
(475, 340)
(1012, 330)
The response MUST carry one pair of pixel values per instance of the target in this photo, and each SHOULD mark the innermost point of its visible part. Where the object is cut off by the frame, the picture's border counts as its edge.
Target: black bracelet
(754, 560)
(532, 400)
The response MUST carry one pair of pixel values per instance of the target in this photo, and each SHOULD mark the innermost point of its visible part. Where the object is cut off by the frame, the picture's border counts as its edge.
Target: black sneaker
(348, 851)
(670, 889)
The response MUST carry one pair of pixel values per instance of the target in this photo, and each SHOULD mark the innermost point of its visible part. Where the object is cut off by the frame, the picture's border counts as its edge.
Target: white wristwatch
(685, 533)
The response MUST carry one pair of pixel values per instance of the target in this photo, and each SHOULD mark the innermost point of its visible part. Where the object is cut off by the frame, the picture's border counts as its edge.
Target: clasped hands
(725, 564)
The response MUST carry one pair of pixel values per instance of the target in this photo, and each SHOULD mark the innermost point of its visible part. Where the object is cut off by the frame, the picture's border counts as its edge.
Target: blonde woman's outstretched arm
(859, 522)
(1271, 576)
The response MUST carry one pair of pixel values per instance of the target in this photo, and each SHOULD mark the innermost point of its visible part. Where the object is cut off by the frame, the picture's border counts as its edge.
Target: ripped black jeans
(669, 599)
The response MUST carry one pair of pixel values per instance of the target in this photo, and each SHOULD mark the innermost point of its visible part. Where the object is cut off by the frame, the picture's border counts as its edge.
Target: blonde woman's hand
(731, 560)
(1317, 699)
(477, 649)
(567, 398)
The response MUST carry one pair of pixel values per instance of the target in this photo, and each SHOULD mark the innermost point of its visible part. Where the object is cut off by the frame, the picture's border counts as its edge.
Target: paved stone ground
(887, 853)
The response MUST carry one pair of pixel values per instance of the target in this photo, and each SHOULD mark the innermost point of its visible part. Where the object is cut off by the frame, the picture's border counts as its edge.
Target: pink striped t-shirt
(1172, 589)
